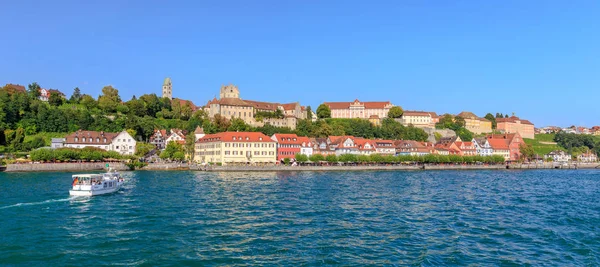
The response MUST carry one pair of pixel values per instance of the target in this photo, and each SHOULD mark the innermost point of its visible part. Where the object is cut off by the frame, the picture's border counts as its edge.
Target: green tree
(136, 107)
(76, 96)
(491, 118)
(143, 148)
(55, 99)
(173, 152)
(316, 157)
(33, 90)
(190, 143)
(527, 151)
(309, 112)
(88, 102)
(109, 100)
(331, 158)
(301, 158)
(179, 156)
(286, 161)
(395, 112)
(347, 158)
(323, 111)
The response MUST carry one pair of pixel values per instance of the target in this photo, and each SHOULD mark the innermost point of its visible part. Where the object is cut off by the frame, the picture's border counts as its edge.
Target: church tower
(167, 89)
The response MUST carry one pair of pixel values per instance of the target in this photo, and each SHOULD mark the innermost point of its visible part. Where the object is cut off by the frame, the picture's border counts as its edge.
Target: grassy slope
(542, 149)
(47, 137)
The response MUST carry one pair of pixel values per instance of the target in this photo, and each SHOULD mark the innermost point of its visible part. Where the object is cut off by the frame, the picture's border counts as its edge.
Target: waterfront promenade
(99, 166)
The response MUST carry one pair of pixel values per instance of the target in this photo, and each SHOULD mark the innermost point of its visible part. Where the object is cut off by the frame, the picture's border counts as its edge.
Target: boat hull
(89, 193)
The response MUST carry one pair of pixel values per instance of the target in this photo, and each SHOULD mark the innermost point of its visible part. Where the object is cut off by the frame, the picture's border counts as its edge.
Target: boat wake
(38, 203)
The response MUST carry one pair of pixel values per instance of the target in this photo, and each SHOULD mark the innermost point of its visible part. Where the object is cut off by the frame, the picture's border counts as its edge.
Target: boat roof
(87, 175)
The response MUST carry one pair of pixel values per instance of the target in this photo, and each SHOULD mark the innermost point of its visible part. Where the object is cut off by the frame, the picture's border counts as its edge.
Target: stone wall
(69, 167)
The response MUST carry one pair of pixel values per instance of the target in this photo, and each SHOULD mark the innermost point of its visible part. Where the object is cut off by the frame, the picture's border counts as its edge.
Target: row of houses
(564, 157)
(255, 147)
(573, 129)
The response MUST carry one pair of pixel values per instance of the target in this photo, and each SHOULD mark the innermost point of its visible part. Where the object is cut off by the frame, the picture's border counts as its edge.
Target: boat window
(104, 185)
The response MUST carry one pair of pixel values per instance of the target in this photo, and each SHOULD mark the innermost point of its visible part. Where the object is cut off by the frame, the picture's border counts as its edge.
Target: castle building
(255, 113)
(167, 88)
(358, 109)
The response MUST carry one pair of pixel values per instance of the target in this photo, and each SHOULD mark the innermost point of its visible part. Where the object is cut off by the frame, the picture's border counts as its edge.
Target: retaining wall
(69, 167)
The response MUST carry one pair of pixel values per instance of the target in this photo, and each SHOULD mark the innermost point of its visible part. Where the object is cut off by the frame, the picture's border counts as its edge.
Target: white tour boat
(96, 184)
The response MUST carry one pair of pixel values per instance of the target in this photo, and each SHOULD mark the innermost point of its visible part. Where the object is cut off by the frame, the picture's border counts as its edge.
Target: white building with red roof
(121, 142)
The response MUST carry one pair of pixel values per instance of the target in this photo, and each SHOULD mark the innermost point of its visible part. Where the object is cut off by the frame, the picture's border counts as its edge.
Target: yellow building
(255, 113)
(476, 124)
(419, 119)
(236, 148)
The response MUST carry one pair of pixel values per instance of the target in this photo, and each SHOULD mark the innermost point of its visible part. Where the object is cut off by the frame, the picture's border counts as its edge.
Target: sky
(538, 59)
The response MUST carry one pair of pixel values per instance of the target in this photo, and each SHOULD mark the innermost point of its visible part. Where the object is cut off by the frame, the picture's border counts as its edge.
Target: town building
(343, 145)
(121, 142)
(159, 139)
(167, 88)
(321, 146)
(419, 119)
(414, 148)
(13, 88)
(365, 146)
(558, 156)
(514, 124)
(358, 109)
(254, 113)
(475, 124)
(176, 135)
(236, 148)
(466, 148)
(587, 157)
(199, 132)
(57, 143)
(385, 147)
(306, 147)
(288, 145)
(507, 145)
(447, 148)
(45, 94)
(482, 147)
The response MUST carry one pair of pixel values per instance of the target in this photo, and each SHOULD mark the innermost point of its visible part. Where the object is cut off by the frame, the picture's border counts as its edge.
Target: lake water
(429, 218)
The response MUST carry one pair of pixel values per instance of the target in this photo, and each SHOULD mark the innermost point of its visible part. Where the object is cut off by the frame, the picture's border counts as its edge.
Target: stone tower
(229, 91)
(167, 89)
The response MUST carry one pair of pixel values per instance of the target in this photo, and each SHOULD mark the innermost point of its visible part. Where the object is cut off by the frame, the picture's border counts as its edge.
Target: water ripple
(433, 218)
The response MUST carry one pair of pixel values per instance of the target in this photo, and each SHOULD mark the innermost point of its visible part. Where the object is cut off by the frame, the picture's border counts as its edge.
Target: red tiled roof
(501, 144)
(97, 138)
(289, 106)
(289, 139)
(262, 105)
(361, 143)
(12, 88)
(512, 119)
(305, 140)
(186, 102)
(367, 105)
(239, 137)
(415, 113)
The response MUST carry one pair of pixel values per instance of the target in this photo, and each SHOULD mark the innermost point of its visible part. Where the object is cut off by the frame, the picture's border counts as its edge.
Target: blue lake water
(427, 218)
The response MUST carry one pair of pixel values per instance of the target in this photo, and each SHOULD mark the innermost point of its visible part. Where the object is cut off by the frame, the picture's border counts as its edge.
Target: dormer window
(234, 138)
(247, 138)
(83, 140)
(260, 138)
(76, 139)
(104, 140)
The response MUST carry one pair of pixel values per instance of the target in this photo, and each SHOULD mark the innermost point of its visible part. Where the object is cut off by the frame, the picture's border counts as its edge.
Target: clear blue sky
(539, 59)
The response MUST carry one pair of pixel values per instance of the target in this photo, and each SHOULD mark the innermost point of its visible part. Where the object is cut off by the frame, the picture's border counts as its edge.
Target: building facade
(482, 146)
(358, 109)
(236, 148)
(159, 139)
(507, 145)
(288, 145)
(419, 119)
(516, 125)
(558, 156)
(120, 142)
(476, 124)
(255, 113)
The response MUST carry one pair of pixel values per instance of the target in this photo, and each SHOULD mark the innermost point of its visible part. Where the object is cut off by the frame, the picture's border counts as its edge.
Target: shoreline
(100, 166)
